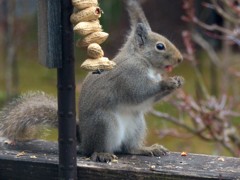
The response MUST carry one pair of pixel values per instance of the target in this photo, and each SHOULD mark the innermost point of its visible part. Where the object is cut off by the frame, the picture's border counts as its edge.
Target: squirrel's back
(27, 115)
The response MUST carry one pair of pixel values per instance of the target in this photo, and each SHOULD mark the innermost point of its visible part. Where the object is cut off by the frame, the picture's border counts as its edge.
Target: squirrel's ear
(141, 34)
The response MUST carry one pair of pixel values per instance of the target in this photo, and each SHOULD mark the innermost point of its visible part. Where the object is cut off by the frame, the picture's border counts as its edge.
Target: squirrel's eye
(160, 46)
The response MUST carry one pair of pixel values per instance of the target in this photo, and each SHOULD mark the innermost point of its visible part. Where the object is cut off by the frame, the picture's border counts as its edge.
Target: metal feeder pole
(66, 98)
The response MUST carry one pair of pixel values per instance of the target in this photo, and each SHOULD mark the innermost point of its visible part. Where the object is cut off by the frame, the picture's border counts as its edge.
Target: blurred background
(203, 117)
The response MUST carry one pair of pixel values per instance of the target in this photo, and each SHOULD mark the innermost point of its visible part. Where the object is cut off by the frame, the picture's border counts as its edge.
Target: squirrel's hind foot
(154, 150)
(103, 157)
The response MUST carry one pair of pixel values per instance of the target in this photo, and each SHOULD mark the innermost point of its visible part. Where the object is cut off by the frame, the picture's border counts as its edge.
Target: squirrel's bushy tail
(26, 116)
(136, 13)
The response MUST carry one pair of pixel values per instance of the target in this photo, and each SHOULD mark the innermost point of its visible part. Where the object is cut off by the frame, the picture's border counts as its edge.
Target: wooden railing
(39, 160)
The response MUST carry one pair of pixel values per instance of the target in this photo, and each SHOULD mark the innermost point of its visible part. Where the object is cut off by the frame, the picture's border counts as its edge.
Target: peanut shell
(85, 28)
(89, 14)
(96, 64)
(83, 4)
(95, 51)
(96, 37)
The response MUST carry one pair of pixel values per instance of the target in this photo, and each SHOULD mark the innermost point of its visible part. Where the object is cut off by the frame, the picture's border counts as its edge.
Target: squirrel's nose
(179, 59)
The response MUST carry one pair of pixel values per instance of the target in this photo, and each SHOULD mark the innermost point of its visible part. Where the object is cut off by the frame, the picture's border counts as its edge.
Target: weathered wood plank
(174, 166)
(34, 146)
(49, 33)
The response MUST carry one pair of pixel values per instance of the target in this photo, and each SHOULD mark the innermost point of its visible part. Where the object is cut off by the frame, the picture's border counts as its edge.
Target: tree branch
(224, 14)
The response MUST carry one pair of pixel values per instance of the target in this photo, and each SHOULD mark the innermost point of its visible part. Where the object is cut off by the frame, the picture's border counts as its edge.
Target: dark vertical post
(56, 51)
(66, 98)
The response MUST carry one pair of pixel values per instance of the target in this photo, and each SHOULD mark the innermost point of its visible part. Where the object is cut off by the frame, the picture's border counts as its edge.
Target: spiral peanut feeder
(86, 24)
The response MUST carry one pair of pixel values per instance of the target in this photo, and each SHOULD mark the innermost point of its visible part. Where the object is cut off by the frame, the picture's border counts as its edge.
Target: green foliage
(113, 9)
(3, 98)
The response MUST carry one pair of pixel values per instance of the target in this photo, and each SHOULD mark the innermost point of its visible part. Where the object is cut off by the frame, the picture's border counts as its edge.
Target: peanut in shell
(85, 28)
(96, 64)
(89, 14)
(96, 37)
(83, 4)
(95, 51)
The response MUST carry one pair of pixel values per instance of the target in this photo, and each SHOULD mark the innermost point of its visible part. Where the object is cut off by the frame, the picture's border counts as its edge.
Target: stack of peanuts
(86, 23)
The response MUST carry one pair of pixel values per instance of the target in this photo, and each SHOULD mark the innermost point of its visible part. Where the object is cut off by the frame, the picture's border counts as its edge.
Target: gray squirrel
(111, 104)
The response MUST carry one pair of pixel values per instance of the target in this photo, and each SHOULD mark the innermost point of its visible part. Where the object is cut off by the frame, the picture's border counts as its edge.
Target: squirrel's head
(158, 50)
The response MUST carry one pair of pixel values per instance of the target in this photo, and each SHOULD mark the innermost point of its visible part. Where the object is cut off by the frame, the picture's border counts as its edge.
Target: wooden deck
(39, 160)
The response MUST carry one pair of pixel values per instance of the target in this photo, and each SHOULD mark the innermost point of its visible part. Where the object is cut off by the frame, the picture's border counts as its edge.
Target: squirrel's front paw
(103, 157)
(179, 81)
(175, 82)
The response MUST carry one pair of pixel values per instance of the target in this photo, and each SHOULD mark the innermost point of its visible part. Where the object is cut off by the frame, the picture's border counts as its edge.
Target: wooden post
(56, 51)
(49, 33)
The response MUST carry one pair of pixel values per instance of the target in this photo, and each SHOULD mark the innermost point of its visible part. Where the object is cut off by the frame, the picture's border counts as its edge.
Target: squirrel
(112, 104)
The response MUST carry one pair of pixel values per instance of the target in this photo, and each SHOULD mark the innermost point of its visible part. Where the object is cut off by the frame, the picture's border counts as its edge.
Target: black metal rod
(66, 98)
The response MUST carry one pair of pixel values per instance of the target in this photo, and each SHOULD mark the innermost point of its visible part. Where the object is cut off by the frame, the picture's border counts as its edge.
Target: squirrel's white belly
(154, 75)
(130, 119)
